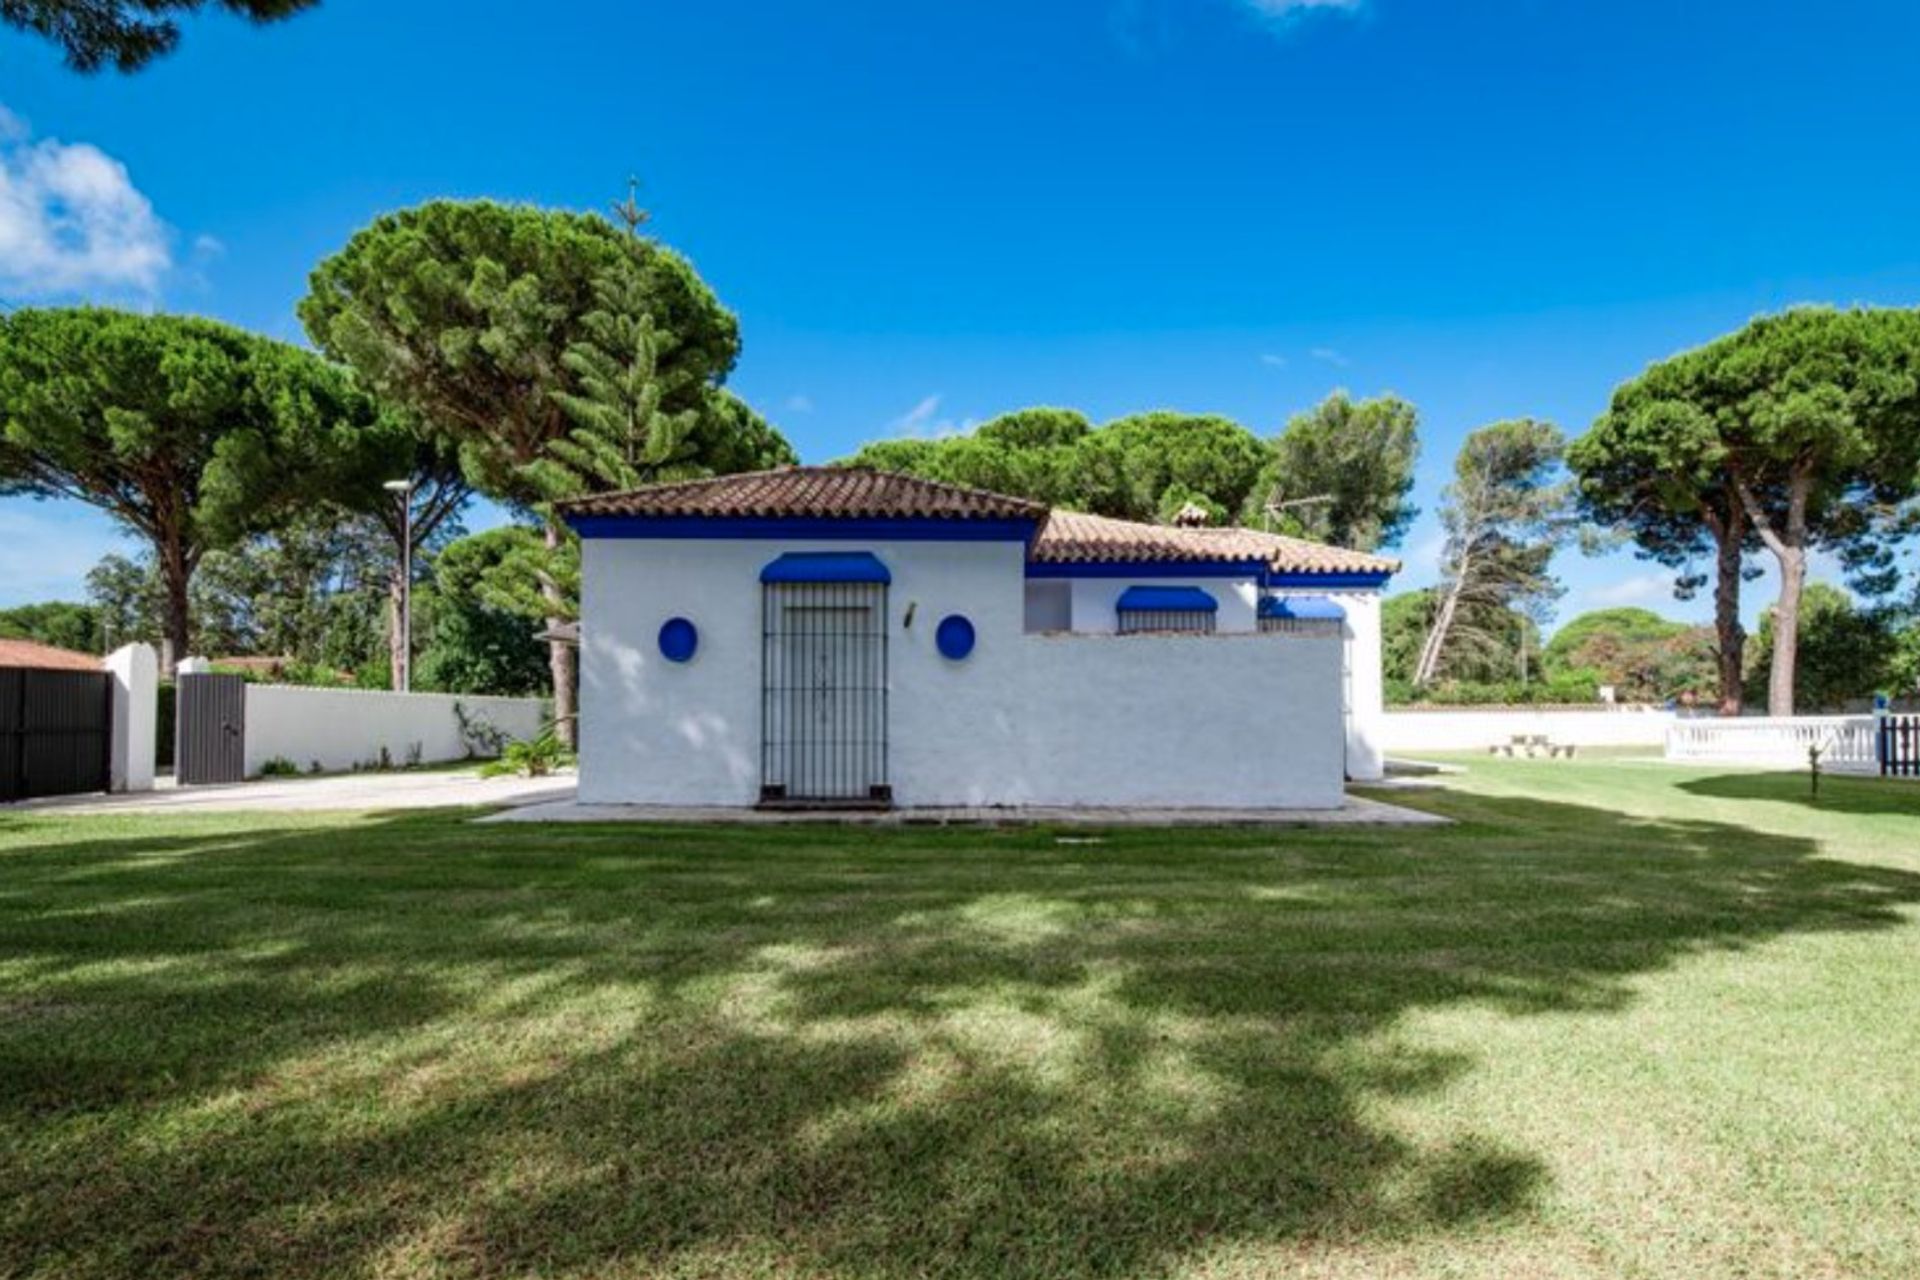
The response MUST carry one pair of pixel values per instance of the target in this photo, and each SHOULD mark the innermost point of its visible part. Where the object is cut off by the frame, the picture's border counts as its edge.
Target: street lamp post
(404, 489)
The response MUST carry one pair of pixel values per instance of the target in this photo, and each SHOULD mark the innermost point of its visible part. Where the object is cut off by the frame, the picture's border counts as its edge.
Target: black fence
(56, 732)
(1900, 746)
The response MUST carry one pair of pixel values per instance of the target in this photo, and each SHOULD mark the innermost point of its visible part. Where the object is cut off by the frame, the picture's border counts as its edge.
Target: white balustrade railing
(1846, 742)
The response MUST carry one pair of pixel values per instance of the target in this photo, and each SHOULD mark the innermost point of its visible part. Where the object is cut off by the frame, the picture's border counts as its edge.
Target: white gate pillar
(135, 671)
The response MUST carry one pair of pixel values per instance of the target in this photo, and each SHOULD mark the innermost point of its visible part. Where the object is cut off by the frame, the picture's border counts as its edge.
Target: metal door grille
(823, 705)
(1135, 621)
(1301, 626)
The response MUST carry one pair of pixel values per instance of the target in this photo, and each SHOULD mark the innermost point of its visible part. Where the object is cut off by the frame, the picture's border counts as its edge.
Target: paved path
(1357, 811)
(552, 800)
(352, 792)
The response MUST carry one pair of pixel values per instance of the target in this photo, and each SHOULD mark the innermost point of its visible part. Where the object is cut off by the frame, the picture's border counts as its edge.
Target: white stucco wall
(1096, 601)
(1469, 730)
(1233, 719)
(1360, 676)
(135, 669)
(341, 728)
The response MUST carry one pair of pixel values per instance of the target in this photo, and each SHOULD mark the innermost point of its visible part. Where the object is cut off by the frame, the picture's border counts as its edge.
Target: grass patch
(1620, 1020)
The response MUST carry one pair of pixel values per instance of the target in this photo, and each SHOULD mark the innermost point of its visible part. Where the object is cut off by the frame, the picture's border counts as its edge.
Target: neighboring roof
(1167, 600)
(850, 493)
(1073, 537)
(31, 653)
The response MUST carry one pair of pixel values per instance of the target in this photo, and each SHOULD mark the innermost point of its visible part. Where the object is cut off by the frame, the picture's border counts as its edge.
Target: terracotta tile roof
(1072, 537)
(1066, 537)
(31, 653)
(849, 493)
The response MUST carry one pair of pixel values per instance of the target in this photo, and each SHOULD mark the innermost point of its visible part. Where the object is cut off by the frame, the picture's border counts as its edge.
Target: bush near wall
(1572, 688)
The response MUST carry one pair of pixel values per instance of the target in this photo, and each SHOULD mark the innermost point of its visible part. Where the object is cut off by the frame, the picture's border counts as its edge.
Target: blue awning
(826, 566)
(1300, 607)
(1167, 600)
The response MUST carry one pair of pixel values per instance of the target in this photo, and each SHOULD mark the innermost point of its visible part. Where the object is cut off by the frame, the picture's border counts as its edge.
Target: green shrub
(279, 767)
(530, 758)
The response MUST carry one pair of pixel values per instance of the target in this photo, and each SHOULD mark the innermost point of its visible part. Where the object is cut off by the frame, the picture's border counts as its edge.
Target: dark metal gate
(823, 704)
(210, 729)
(56, 732)
(1900, 746)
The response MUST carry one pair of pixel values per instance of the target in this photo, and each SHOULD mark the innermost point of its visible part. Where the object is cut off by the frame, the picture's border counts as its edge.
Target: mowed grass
(1621, 1020)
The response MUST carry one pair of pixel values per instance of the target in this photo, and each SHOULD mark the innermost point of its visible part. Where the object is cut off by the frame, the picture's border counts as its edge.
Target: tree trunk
(396, 640)
(176, 575)
(1730, 636)
(560, 656)
(1436, 641)
(1789, 548)
(1786, 631)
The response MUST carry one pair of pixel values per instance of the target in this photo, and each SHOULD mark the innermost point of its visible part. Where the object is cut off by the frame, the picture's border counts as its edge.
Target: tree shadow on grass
(1838, 793)
(411, 1044)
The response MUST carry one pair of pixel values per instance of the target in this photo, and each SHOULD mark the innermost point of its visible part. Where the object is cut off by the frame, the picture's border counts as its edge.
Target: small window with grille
(1162, 609)
(1301, 616)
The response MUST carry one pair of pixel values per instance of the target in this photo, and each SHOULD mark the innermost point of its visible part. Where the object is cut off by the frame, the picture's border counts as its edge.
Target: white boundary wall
(1471, 730)
(1847, 743)
(341, 728)
(136, 716)
(1245, 720)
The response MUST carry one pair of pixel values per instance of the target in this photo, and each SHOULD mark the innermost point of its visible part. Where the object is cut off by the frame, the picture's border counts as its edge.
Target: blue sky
(929, 213)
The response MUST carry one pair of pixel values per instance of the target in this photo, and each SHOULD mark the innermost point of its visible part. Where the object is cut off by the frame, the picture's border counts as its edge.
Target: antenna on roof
(1274, 505)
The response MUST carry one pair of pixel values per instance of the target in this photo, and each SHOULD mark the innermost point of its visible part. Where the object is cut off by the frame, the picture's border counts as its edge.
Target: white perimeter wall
(341, 728)
(1467, 730)
(1242, 720)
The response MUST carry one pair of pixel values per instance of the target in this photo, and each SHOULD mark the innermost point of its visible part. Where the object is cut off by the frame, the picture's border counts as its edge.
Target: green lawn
(1622, 1020)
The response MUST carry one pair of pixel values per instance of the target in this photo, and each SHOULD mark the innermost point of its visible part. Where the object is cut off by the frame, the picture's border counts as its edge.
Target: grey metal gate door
(824, 694)
(56, 732)
(210, 735)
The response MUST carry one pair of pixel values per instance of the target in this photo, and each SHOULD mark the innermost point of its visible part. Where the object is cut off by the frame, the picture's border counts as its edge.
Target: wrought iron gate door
(823, 705)
(210, 743)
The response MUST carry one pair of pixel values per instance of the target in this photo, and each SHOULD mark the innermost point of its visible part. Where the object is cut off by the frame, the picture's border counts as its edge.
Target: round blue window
(678, 639)
(954, 636)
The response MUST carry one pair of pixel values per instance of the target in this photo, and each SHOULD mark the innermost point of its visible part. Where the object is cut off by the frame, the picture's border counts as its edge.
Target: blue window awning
(1167, 600)
(1300, 607)
(826, 566)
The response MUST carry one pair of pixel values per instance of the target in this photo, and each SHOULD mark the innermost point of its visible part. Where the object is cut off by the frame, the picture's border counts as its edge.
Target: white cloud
(798, 403)
(1273, 361)
(1288, 10)
(1640, 588)
(71, 220)
(924, 422)
(1327, 355)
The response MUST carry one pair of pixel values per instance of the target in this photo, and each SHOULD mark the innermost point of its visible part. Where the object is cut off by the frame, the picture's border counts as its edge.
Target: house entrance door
(824, 694)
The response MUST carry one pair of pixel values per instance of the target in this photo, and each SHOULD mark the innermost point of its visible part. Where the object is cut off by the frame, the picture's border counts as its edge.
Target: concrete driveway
(355, 792)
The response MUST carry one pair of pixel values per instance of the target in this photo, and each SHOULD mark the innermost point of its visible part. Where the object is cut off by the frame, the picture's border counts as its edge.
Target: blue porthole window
(954, 637)
(678, 639)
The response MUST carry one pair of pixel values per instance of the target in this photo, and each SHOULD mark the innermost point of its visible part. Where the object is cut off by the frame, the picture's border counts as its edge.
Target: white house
(830, 636)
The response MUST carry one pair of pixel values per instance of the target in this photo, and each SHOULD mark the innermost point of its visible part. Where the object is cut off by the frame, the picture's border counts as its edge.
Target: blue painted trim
(1167, 599)
(1151, 569)
(679, 639)
(914, 529)
(826, 566)
(954, 637)
(1325, 580)
(1300, 607)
